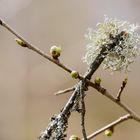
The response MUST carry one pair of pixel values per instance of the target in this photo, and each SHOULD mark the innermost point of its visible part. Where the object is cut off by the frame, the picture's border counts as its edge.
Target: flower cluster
(123, 54)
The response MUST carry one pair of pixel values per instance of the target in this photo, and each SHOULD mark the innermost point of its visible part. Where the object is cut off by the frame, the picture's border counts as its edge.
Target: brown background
(28, 81)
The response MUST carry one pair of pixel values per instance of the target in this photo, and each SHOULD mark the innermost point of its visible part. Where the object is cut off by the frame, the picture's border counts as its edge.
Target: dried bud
(74, 74)
(55, 51)
(124, 52)
(109, 132)
(97, 80)
(1, 22)
(74, 137)
(125, 81)
(20, 42)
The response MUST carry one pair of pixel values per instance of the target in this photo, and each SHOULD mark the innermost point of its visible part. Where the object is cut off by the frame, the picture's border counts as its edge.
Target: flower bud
(109, 132)
(97, 80)
(55, 51)
(74, 137)
(74, 74)
(20, 42)
(125, 81)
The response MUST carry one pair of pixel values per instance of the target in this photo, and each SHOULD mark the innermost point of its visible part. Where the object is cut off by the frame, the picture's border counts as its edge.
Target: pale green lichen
(123, 54)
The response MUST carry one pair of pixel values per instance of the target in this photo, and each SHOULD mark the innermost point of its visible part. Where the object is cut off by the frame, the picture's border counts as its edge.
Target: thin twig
(114, 123)
(83, 111)
(60, 92)
(104, 92)
(30, 46)
(124, 82)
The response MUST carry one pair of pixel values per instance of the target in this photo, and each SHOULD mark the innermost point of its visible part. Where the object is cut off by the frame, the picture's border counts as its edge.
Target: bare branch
(104, 92)
(124, 82)
(60, 92)
(30, 46)
(114, 123)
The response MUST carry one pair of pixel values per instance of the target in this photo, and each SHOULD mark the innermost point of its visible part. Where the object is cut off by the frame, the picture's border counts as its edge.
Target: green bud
(20, 42)
(74, 137)
(125, 81)
(97, 80)
(74, 74)
(55, 51)
(109, 132)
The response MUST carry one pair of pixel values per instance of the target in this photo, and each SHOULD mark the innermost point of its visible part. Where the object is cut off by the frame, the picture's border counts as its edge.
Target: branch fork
(58, 124)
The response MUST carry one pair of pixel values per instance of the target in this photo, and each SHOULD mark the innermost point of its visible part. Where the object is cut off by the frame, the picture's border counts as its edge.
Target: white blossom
(123, 54)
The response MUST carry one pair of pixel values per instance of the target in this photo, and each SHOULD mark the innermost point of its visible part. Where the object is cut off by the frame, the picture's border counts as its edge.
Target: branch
(83, 111)
(121, 89)
(64, 115)
(60, 92)
(104, 92)
(30, 46)
(118, 121)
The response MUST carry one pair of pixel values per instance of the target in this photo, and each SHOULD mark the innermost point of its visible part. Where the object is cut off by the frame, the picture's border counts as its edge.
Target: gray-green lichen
(119, 58)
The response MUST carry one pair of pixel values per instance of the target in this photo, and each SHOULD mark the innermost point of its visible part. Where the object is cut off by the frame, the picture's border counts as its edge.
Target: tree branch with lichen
(111, 44)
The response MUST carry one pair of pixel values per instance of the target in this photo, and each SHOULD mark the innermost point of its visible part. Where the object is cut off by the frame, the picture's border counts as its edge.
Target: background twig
(118, 121)
(104, 92)
(60, 92)
(121, 89)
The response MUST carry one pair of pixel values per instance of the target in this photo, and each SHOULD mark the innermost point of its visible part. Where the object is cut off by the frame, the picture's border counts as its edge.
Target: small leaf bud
(74, 74)
(125, 81)
(109, 132)
(20, 42)
(55, 51)
(74, 137)
(97, 80)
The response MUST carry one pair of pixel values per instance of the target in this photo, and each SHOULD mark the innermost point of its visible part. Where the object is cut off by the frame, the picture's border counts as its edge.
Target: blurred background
(28, 81)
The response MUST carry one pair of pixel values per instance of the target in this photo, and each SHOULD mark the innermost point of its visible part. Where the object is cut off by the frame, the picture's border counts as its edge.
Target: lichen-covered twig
(55, 125)
(113, 124)
(58, 125)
